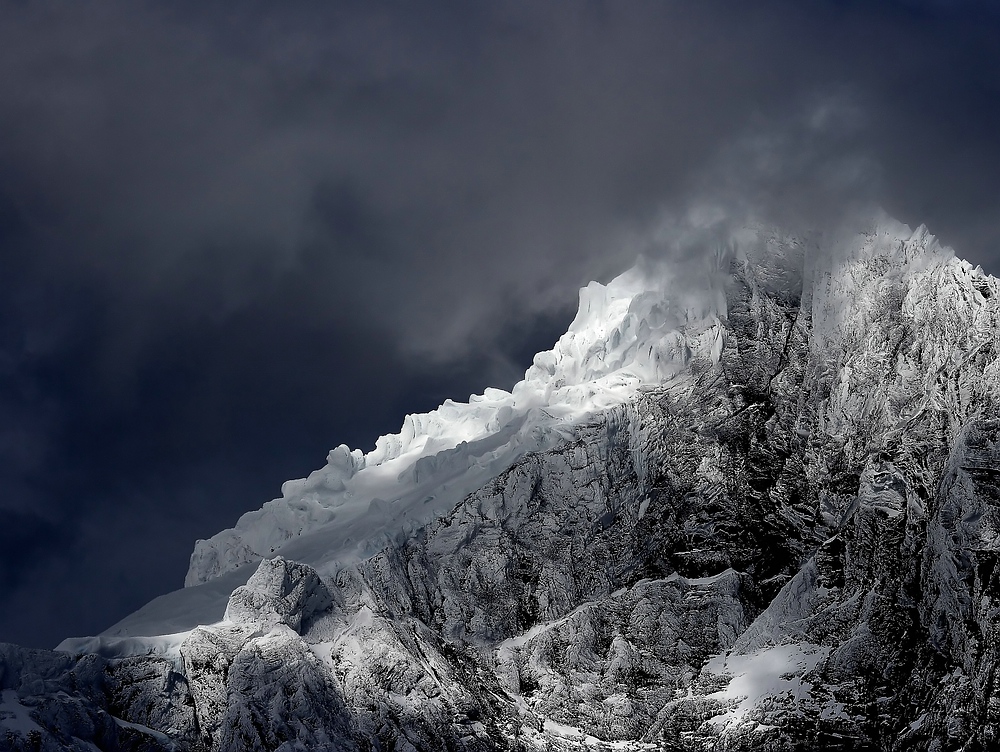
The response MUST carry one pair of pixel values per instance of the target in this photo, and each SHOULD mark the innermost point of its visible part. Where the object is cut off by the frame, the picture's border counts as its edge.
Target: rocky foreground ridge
(763, 517)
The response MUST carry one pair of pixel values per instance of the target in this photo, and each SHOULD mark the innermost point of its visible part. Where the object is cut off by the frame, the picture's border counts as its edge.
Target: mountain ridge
(767, 520)
(626, 333)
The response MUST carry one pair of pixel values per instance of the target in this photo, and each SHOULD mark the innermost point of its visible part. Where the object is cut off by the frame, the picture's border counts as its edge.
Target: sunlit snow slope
(635, 330)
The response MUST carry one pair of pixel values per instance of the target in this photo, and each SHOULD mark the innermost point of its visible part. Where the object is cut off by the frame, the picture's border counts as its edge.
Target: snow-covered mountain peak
(744, 494)
(638, 327)
(862, 283)
(643, 327)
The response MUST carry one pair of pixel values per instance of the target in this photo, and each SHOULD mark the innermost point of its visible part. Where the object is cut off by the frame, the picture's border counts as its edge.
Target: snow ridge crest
(642, 328)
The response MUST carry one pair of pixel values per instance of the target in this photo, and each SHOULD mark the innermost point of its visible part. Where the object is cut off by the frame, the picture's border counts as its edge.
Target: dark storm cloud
(233, 235)
(202, 152)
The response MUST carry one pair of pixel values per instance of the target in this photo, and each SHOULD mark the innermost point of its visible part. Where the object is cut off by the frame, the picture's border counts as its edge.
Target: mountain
(747, 502)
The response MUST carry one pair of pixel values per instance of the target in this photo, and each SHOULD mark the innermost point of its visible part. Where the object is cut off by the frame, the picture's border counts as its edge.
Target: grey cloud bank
(232, 237)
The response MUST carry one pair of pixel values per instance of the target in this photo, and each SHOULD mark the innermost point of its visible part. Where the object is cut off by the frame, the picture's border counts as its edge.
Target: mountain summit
(633, 332)
(750, 506)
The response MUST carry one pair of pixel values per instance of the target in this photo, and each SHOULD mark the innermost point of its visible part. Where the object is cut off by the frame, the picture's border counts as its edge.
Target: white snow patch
(700, 581)
(14, 716)
(158, 735)
(163, 646)
(349, 641)
(541, 738)
(919, 723)
(505, 649)
(769, 673)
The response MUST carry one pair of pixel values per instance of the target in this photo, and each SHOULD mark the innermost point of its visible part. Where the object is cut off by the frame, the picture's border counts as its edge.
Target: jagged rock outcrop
(279, 592)
(253, 668)
(769, 522)
(53, 702)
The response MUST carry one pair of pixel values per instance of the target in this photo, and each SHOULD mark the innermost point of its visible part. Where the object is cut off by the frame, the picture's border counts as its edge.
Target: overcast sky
(235, 235)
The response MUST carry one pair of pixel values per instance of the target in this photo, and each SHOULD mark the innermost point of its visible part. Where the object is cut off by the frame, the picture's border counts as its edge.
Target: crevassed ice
(642, 327)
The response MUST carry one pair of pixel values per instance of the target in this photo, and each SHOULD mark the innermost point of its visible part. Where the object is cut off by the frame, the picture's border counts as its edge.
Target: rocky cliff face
(767, 523)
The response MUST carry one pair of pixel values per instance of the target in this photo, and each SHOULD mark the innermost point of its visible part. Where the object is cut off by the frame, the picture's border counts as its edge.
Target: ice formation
(641, 328)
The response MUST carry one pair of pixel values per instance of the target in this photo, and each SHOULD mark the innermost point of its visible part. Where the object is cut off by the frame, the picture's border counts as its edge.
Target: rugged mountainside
(758, 516)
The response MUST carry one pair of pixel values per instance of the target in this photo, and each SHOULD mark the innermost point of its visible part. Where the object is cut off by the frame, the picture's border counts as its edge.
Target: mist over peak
(231, 238)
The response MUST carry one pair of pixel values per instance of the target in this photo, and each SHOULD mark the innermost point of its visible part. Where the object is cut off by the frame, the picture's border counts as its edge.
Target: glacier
(750, 502)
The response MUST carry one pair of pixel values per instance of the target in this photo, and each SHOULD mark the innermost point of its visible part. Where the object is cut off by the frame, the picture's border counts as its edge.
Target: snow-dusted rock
(208, 653)
(281, 697)
(279, 592)
(54, 702)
